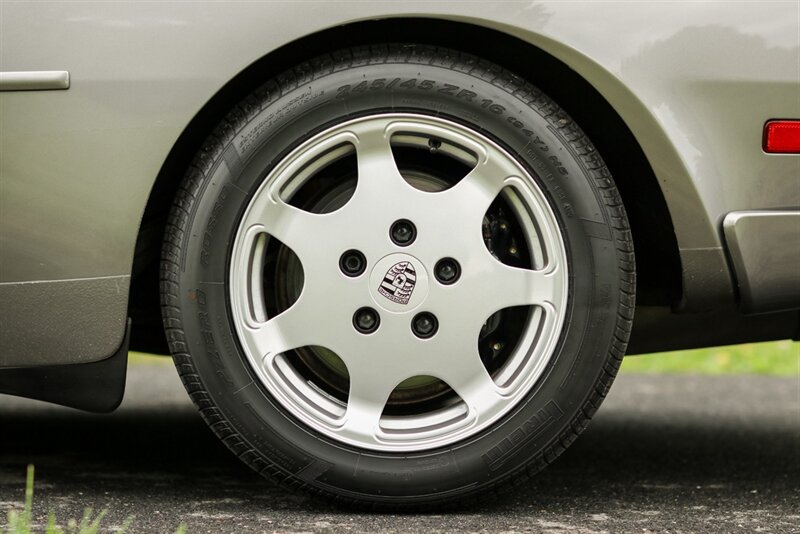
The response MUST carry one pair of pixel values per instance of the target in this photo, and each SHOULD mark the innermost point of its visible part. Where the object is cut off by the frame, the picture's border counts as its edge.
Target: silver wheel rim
(449, 224)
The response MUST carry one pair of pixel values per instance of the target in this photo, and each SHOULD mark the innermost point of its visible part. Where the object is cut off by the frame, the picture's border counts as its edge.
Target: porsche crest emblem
(398, 282)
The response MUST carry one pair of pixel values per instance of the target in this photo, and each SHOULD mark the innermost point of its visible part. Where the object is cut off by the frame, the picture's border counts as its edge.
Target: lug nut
(403, 232)
(352, 263)
(424, 325)
(447, 271)
(366, 320)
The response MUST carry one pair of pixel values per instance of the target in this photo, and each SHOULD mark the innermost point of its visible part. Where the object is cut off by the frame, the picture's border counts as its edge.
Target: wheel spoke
(378, 175)
(369, 391)
(284, 332)
(512, 286)
(293, 227)
(477, 190)
(463, 370)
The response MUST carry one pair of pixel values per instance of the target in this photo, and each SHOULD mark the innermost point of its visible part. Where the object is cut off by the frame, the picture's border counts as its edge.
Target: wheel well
(657, 256)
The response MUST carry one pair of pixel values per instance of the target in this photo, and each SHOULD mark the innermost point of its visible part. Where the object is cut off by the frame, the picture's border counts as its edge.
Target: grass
(141, 358)
(780, 358)
(21, 522)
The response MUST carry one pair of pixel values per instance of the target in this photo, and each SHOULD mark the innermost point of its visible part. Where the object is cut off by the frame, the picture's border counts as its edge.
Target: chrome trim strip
(34, 80)
(764, 246)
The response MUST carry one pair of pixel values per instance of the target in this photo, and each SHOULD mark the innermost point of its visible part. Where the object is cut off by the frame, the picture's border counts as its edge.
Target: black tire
(349, 83)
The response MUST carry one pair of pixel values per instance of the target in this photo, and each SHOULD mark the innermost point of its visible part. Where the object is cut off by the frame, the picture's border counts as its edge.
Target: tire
(566, 222)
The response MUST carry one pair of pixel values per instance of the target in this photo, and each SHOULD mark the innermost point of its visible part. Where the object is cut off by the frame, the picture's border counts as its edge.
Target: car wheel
(397, 275)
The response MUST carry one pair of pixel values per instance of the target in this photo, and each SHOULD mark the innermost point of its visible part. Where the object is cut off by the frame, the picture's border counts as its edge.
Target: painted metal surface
(694, 83)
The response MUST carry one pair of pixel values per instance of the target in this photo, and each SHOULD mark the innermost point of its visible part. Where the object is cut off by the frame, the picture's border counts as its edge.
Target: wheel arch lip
(690, 220)
(694, 200)
(694, 227)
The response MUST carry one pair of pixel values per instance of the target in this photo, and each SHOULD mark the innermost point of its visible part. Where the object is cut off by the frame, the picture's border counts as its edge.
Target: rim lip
(528, 341)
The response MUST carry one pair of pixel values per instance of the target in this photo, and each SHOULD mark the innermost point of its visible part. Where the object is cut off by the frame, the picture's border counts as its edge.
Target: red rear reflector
(782, 137)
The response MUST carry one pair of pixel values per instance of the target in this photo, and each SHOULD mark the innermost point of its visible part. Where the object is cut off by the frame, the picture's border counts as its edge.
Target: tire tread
(199, 172)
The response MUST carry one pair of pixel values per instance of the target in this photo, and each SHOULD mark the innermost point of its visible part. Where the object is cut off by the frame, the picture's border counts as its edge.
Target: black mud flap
(94, 387)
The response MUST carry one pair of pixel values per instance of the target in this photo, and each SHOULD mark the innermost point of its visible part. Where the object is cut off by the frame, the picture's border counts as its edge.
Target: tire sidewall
(278, 118)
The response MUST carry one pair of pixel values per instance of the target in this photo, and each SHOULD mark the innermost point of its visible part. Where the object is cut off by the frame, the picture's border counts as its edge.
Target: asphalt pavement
(663, 454)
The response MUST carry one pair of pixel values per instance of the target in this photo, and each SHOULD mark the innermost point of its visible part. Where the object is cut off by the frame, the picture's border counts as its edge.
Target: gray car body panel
(765, 251)
(694, 83)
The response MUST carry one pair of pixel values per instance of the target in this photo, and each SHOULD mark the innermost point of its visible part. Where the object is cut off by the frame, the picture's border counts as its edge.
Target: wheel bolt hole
(352, 263)
(424, 325)
(366, 320)
(403, 232)
(447, 271)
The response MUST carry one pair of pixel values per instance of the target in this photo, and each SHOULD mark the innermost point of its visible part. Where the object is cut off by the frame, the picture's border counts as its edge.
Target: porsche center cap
(398, 283)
